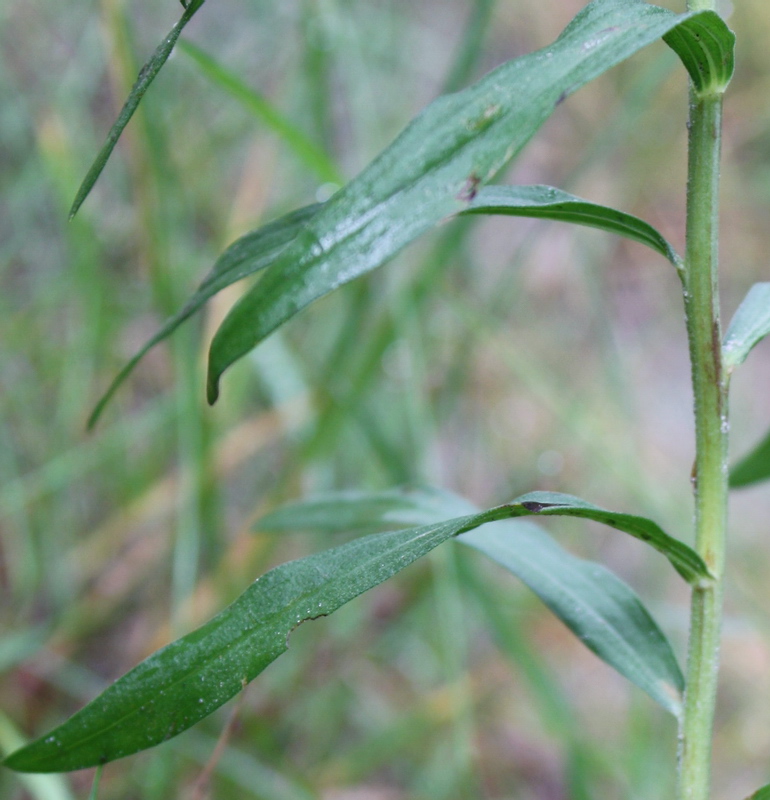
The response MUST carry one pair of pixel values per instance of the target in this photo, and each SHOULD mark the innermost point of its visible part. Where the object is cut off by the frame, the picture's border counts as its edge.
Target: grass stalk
(701, 296)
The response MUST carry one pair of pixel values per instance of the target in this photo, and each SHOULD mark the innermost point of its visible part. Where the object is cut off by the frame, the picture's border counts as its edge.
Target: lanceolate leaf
(260, 248)
(683, 558)
(249, 254)
(753, 468)
(435, 168)
(146, 76)
(550, 203)
(336, 511)
(748, 327)
(599, 608)
(187, 680)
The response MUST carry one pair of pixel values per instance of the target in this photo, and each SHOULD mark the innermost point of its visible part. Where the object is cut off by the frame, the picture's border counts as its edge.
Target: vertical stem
(711, 429)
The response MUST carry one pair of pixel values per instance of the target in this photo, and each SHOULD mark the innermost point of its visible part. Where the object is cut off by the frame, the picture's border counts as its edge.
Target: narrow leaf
(302, 146)
(752, 468)
(344, 511)
(247, 255)
(600, 609)
(190, 678)
(550, 203)
(682, 557)
(434, 169)
(748, 327)
(146, 76)
(707, 49)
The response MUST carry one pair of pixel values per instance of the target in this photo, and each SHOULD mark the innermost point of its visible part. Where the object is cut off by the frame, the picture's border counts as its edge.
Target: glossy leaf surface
(598, 607)
(249, 254)
(146, 76)
(434, 169)
(260, 248)
(752, 468)
(748, 327)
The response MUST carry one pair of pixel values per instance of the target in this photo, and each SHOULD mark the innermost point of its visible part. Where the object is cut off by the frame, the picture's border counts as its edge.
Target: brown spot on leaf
(470, 188)
(536, 508)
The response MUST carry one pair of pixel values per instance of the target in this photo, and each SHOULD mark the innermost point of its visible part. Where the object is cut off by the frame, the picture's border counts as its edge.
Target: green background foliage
(492, 357)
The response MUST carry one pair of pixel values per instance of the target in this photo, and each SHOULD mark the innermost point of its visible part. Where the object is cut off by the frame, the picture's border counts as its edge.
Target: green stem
(711, 430)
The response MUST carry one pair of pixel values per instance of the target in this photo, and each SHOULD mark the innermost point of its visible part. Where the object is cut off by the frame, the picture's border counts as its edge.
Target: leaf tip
(19, 761)
(212, 389)
(75, 207)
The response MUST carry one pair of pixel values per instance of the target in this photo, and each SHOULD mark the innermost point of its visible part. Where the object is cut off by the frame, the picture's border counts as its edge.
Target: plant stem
(711, 431)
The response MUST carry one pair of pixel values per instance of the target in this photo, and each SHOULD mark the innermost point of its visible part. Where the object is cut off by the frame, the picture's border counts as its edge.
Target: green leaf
(682, 557)
(245, 256)
(752, 468)
(748, 327)
(187, 680)
(146, 76)
(434, 169)
(303, 147)
(600, 609)
(550, 203)
(707, 49)
(761, 794)
(260, 248)
(345, 511)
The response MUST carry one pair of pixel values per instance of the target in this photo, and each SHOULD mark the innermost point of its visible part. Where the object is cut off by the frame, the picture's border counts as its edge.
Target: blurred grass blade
(247, 255)
(707, 49)
(600, 609)
(190, 678)
(761, 794)
(550, 203)
(434, 169)
(683, 558)
(349, 511)
(310, 153)
(146, 76)
(752, 468)
(95, 785)
(748, 327)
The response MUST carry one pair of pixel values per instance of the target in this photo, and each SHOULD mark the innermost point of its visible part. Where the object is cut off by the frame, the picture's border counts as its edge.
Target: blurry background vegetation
(491, 358)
